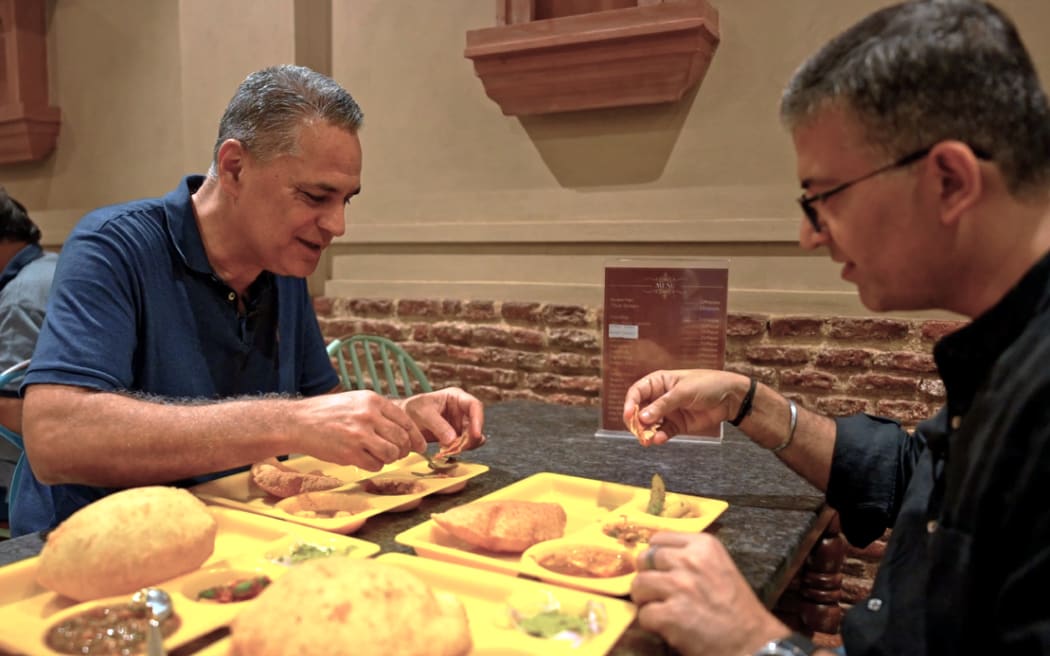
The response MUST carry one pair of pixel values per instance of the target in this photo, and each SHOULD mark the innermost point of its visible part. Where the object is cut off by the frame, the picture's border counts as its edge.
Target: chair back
(371, 362)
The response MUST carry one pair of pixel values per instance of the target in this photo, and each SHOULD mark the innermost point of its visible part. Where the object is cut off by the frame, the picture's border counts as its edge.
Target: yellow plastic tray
(589, 505)
(485, 599)
(245, 545)
(238, 491)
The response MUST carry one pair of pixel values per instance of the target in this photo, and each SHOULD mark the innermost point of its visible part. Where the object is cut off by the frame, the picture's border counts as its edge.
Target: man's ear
(958, 178)
(229, 165)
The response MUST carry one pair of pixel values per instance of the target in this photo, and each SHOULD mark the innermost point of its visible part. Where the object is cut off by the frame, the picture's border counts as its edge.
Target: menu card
(660, 314)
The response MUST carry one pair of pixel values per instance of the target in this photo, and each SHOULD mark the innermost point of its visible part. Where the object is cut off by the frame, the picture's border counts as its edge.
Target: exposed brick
(855, 590)
(777, 354)
(371, 307)
(419, 308)
(486, 376)
(580, 340)
(834, 358)
(882, 383)
(388, 329)
(525, 338)
(599, 319)
(841, 406)
(323, 305)
(571, 399)
(767, 375)
(808, 379)
(340, 328)
(452, 333)
(905, 361)
(530, 361)
(906, 412)
(490, 336)
(933, 330)
(795, 327)
(514, 311)
(545, 382)
(933, 388)
(420, 332)
(432, 349)
(873, 329)
(564, 315)
(450, 307)
(574, 363)
(463, 354)
(745, 325)
(487, 393)
(442, 375)
(479, 311)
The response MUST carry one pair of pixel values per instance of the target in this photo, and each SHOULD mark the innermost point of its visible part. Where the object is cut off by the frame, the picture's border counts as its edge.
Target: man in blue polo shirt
(181, 341)
(25, 281)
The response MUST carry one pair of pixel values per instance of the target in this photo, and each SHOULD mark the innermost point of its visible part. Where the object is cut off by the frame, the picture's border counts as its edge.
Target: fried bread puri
(125, 541)
(343, 606)
(507, 526)
(280, 480)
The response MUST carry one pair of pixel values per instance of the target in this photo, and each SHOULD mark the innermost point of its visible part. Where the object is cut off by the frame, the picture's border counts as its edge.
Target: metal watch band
(795, 644)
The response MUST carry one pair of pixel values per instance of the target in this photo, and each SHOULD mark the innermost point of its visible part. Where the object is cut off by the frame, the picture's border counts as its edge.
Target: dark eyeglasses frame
(806, 202)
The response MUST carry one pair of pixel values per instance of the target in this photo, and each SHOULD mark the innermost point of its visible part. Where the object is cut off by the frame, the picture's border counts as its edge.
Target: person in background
(25, 282)
(181, 342)
(923, 148)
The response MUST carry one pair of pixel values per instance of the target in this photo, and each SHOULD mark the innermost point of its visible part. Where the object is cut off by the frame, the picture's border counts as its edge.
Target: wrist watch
(793, 645)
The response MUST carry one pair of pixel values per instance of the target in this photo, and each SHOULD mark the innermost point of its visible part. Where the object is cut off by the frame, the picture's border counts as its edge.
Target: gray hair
(270, 106)
(924, 71)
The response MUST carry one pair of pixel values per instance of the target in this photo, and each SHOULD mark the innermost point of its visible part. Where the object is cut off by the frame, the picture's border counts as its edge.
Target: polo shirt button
(956, 422)
(874, 605)
(931, 526)
(232, 297)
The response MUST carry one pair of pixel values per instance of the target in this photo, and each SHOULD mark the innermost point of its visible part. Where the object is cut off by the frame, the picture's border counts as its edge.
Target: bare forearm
(106, 439)
(809, 453)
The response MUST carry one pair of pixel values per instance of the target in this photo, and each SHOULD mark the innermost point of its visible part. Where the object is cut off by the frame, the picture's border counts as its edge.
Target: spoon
(159, 604)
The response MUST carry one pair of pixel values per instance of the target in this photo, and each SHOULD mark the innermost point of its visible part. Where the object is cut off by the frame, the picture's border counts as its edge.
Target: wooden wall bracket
(28, 124)
(651, 53)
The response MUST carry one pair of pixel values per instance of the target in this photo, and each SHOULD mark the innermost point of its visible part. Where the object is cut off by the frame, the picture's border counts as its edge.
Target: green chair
(11, 375)
(377, 364)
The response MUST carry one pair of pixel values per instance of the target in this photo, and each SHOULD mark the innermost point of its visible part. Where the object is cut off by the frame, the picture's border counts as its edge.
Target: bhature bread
(344, 606)
(126, 541)
(506, 526)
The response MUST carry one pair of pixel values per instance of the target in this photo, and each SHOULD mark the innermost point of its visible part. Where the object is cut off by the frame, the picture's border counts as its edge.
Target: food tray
(238, 491)
(244, 546)
(485, 599)
(589, 506)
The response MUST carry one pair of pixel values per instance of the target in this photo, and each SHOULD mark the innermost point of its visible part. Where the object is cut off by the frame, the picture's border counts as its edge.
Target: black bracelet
(745, 406)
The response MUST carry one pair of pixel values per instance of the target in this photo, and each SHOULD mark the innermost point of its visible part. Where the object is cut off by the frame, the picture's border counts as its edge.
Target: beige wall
(461, 201)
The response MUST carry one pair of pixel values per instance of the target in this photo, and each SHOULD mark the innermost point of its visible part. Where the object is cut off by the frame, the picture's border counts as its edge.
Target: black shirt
(967, 568)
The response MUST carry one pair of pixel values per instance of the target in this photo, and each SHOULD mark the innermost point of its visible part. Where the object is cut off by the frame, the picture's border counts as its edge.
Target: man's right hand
(358, 428)
(685, 401)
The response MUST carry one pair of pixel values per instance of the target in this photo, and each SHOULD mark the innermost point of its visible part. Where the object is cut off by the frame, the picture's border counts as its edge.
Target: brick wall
(513, 350)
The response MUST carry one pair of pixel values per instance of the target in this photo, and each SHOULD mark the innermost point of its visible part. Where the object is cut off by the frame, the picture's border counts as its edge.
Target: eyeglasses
(806, 202)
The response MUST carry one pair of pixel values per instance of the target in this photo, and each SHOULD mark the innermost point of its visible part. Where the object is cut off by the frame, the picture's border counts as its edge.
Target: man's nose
(810, 239)
(334, 221)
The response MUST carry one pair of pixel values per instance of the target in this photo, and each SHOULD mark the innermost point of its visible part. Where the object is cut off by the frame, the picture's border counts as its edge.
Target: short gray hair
(270, 106)
(924, 71)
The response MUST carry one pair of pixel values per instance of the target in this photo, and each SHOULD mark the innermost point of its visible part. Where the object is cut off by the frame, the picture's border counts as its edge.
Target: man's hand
(444, 415)
(684, 401)
(690, 592)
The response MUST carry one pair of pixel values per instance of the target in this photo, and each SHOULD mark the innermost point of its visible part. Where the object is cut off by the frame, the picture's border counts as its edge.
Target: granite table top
(774, 516)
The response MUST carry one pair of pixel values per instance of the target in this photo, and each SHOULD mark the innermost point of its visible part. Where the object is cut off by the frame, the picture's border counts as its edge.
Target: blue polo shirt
(136, 306)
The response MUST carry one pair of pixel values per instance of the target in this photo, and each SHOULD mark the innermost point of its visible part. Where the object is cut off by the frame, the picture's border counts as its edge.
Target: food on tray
(645, 434)
(392, 486)
(323, 504)
(126, 541)
(629, 533)
(657, 495)
(507, 525)
(303, 551)
(459, 445)
(117, 629)
(587, 561)
(237, 590)
(544, 616)
(280, 480)
(350, 606)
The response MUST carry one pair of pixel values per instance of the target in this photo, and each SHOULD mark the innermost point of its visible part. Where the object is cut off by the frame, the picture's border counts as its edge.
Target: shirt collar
(965, 358)
(29, 253)
(182, 225)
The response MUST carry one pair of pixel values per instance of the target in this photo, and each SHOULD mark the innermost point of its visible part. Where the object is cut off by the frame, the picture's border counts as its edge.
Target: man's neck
(8, 249)
(218, 234)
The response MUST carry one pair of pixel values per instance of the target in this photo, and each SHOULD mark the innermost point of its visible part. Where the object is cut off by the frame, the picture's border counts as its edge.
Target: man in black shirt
(923, 148)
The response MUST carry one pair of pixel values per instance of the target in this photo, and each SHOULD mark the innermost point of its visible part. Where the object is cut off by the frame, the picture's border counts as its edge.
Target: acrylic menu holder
(660, 314)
